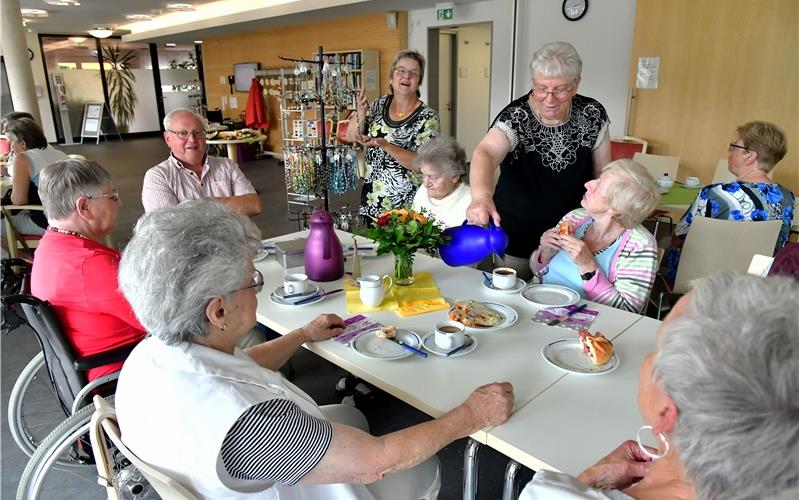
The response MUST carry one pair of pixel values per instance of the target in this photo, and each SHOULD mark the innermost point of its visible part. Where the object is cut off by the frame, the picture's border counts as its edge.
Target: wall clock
(574, 10)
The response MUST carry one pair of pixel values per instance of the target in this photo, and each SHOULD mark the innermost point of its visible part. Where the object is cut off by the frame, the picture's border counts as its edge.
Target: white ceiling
(77, 20)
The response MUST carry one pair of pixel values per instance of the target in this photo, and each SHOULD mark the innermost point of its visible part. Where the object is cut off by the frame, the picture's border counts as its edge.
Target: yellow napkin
(421, 297)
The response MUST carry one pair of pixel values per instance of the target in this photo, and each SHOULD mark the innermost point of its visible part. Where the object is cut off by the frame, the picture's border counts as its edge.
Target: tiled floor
(127, 163)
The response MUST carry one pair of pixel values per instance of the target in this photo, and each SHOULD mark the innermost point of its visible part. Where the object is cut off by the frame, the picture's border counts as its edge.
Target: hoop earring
(648, 453)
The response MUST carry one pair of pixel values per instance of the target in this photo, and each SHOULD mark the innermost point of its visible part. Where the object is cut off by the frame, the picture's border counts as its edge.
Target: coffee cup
(450, 335)
(692, 181)
(503, 278)
(373, 289)
(295, 283)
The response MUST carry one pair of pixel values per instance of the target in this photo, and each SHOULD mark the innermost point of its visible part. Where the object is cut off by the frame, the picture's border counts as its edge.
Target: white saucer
(520, 283)
(544, 295)
(293, 301)
(429, 343)
(368, 344)
(280, 293)
(567, 354)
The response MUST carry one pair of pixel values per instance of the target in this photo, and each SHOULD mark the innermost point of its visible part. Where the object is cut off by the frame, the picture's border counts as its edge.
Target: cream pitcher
(373, 289)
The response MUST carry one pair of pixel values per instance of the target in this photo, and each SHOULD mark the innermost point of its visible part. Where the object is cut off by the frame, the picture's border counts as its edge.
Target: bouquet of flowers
(402, 232)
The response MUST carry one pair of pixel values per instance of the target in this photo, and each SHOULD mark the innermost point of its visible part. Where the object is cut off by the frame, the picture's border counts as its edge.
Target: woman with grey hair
(392, 129)
(601, 250)
(223, 421)
(443, 193)
(721, 395)
(548, 144)
(74, 270)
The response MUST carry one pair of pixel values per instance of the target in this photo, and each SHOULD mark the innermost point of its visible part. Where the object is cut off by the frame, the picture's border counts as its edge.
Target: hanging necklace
(566, 115)
(66, 231)
(407, 109)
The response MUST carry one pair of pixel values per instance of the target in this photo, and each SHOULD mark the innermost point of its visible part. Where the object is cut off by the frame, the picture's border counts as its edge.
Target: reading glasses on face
(184, 134)
(411, 74)
(558, 93)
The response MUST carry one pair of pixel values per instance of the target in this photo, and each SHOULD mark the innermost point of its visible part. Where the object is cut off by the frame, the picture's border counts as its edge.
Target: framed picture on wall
(244, 73)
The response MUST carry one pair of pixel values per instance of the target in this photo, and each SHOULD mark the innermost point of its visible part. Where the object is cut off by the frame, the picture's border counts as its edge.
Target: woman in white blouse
(443, 193)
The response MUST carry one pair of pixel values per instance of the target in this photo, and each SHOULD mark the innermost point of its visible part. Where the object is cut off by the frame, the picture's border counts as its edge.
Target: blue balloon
(469, 244)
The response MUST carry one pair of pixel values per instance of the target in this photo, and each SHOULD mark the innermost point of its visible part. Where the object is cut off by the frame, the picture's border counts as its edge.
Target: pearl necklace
(66, 231)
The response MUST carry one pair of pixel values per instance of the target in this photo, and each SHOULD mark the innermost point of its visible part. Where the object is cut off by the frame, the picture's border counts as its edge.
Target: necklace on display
(66, 231)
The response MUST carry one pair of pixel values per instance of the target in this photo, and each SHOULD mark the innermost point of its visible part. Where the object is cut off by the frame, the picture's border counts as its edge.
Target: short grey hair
(443, 154)
(635, 193)
(731, 366)
(63, 182)
(180, 111)
(555, 60)
(179, 259)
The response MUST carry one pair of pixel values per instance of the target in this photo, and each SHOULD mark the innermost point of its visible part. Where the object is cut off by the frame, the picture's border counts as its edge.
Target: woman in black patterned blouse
(548, 144)
(392, 129)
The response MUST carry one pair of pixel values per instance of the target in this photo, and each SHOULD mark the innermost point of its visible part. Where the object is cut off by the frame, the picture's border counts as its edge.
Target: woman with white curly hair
(721, 394)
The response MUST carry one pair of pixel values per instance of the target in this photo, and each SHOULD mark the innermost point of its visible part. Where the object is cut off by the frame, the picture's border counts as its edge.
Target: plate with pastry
(544, 295)
(482, 316)
(588, 354)
(384, 343)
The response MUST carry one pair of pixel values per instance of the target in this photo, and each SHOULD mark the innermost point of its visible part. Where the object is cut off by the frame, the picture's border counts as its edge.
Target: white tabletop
(581, 418)
(435, 385)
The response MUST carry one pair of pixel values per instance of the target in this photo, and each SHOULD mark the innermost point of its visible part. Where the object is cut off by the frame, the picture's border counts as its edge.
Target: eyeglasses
(113, 195)
(542, 93)
(413, 75)
(258, 283)
(184, 134)
(738, 146)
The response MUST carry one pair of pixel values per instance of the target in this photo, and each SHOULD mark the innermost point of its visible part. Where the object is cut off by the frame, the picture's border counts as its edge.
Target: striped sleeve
(275, 441)
(635, 267)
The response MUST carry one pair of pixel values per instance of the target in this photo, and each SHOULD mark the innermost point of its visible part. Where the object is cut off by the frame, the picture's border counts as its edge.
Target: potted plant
(402, 232)
(121, 94)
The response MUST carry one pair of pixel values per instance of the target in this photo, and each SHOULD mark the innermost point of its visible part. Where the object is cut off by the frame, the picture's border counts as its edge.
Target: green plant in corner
(121, 93)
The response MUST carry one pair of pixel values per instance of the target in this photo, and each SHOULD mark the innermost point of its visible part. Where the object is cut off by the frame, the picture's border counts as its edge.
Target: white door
(446, 44)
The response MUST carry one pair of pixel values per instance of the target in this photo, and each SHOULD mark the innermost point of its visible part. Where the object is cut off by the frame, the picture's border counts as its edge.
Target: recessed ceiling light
(139, 17)
(198, 41)
(62, 3)
(179, 7)
(78, 39)
(34, 12)
(170, 44)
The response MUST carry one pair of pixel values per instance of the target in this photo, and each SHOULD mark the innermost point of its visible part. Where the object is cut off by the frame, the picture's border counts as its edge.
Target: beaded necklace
(66, 231)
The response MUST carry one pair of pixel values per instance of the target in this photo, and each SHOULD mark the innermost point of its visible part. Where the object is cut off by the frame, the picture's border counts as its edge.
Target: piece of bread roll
(598, 349)
(565, 228)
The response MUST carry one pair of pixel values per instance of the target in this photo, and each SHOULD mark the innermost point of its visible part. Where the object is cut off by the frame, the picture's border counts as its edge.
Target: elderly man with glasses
(190, 173)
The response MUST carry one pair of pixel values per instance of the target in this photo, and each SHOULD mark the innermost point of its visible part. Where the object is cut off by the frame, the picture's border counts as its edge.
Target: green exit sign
(444, 14)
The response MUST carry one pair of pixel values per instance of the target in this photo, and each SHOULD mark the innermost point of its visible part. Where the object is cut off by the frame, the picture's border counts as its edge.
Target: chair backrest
(722, 174)
(708, 247)
(58, 352)
(13, 238)
(659, 164)
(626, 147)
(104, 426)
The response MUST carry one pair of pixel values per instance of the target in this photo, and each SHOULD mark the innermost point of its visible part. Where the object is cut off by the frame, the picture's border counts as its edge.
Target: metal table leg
(510, 489)
(470, 453)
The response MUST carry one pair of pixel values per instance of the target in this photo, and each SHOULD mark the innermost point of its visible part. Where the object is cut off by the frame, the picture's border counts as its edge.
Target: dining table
(231, 145)
(437, 384)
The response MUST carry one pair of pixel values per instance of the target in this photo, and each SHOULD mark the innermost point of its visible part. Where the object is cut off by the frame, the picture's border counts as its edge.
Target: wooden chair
(626, 147)
(17, 240)
(658, 165)
(708, 248)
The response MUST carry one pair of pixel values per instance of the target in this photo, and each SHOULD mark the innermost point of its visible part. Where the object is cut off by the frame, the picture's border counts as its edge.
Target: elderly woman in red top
(73, 270)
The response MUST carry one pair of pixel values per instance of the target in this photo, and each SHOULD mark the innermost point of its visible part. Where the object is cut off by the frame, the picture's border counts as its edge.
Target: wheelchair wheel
(33, 407)
(48, 476)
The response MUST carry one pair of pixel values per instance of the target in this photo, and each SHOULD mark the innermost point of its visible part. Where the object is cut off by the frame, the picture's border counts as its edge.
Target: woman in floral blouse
(753, 196)
(392, 130)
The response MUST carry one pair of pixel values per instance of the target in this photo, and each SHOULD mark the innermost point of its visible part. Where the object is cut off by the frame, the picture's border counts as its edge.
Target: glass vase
(403, 269)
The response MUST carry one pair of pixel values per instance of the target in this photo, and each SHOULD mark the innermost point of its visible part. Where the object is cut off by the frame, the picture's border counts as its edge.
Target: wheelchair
(55, 435)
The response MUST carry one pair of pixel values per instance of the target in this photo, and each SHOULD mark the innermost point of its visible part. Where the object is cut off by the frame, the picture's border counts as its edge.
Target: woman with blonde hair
(601, 250)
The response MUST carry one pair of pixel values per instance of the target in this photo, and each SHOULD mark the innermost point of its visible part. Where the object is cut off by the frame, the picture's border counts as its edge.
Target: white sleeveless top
(175, 404)
(41, 158)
